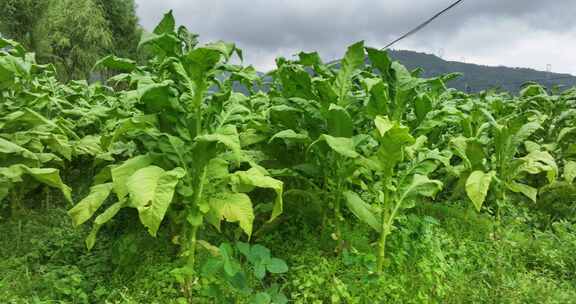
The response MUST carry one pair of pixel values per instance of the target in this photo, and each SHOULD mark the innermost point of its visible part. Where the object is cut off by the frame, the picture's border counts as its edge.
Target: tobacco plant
(188, 161)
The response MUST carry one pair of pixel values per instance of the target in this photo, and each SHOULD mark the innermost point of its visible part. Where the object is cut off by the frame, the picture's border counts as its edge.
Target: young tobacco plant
(315, 114)
(506, 171)
(237, 267)
(398, 174)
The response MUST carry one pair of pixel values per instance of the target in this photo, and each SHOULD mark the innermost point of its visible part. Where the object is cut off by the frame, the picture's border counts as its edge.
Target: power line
(424, 24)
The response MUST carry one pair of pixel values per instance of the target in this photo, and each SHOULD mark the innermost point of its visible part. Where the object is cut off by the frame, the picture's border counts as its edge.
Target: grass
(440, 253)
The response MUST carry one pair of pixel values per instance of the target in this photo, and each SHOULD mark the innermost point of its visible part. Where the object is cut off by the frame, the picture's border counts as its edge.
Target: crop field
(188, 177)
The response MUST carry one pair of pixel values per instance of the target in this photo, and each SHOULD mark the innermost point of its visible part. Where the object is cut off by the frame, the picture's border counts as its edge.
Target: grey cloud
(268, 28)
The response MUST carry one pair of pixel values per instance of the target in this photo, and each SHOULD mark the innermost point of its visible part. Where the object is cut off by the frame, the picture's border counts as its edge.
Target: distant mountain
(479, 77)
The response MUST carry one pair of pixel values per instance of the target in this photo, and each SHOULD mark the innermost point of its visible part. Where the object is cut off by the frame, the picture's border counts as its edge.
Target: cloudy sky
(522, 33)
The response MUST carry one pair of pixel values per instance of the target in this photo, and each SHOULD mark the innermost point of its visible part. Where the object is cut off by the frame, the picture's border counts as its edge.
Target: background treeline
(476, 78)
(72, 34)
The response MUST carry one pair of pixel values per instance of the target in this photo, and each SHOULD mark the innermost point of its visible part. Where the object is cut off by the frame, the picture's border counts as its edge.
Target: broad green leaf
(420, 185)
(309, 59)
(251, 137)
(227, 136)
(539, 161)
(102, 219)
(570, 171)
(418, 145)
(47, 176)
(290, 135)
(477, 186)
(8, 147)
(528, 191)
(224, 48)
(339, 122)
(352, 61)
(296, 82)
(121, 173)
(12, 68)
(166, 25)
(157, 97)
(232, 207)
(532, 146)
(115, 63)
(525, 132)
(469, 150)
(393, 138)
(422, 106)
(88, 145)
(362, 210)
(380, 60)
(90, 204)
(231, 266)
(198, 63)
(379, 98)
(256, 178)
(59, 143)
(383, 125)
(259, 253)
(151, 190)
(244, 248)
(342, 145)
(276, 265)
(262, 298)
(28, 118)
(564, 132)
(326, 93)
(162, 45)
(217, 168)
(134, 123)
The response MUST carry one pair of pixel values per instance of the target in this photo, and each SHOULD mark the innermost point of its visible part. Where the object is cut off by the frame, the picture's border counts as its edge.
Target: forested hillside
(480, 77)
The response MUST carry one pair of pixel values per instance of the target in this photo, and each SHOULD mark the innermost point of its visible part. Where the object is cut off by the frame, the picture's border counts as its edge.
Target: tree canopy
(72, 34)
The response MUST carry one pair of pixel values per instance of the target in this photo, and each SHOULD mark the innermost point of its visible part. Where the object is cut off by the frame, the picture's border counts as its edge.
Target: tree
(75, 35)
(123, 24)
(19, 20)
(72, 34)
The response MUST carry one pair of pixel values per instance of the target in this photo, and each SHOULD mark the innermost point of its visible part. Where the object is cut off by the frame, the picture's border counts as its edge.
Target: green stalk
(337, 212)
(383, 234)
(386, 228)
(199, 187)
(15, 203)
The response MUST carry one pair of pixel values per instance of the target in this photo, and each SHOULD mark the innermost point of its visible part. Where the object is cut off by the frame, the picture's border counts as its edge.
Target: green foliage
(175, 157)
(72, 35)
(75, 48)
(19, 20)
(123, 23)
(235, 268)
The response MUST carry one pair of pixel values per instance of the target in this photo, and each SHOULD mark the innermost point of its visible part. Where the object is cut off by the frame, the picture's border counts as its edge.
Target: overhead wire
(440, 13)
(423, 24)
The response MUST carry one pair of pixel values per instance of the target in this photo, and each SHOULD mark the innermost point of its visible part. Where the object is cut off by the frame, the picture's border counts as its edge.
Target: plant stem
(337, 212)
(192, 249)
(383, 233)
(199, 187)
(15, 203)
